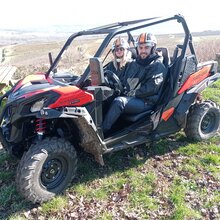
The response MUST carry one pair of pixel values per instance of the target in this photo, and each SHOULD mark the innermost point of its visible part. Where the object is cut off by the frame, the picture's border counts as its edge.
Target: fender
(183, 108)
(190, 96)
(90, 140)
(205, 83)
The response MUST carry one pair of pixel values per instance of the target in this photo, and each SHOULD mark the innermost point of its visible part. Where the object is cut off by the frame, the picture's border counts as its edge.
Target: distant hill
(46, 33)
(10, 36)
(206, 33)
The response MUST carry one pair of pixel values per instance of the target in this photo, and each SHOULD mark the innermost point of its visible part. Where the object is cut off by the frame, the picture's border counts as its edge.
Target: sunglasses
(119, 49)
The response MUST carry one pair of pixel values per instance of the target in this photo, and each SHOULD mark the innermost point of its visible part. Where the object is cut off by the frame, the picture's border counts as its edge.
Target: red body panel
(166, 115)
(71, 96)
(195, 78)
(32, 78)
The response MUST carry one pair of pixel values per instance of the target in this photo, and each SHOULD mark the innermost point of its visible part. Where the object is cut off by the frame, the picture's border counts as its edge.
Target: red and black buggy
(49, 116)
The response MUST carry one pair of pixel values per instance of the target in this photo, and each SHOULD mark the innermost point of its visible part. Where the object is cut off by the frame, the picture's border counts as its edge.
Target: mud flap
(90, 140)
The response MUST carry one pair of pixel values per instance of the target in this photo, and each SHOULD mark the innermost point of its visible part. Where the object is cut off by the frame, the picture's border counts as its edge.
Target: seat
(136, 117)
(165, 54)
(133, 51)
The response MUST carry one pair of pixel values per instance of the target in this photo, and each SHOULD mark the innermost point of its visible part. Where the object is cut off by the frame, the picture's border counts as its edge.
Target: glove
(117, 92)
(131, 93)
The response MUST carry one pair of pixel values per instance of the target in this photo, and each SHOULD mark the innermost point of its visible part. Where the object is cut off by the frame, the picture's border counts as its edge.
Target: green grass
(9, 198)
(105, 216)
(6, 194)
(177, 196)
(5, 176)
(55, 205)
(189, 168)
(211, 160)
(3, 157)
(17, 217)
(212, 92)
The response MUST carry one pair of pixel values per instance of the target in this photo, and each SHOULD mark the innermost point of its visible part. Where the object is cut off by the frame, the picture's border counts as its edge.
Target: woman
(122, 56)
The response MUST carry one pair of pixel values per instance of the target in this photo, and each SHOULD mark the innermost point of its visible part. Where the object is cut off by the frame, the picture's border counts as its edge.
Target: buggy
(49, 116)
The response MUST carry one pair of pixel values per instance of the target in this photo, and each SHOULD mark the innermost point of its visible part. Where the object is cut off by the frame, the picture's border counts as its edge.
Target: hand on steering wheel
(112, 80)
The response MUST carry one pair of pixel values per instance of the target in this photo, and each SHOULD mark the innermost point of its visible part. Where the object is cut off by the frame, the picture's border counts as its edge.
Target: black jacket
(144, 78)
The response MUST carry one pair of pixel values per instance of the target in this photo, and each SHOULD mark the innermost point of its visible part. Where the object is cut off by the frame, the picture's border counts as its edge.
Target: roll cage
(114, 29)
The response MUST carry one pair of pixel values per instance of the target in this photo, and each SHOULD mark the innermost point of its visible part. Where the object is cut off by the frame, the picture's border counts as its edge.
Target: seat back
(165, 54)
(133, 51)
(136, 117)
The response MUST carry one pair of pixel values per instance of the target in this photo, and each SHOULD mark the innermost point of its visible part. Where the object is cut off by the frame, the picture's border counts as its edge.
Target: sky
(20, 14)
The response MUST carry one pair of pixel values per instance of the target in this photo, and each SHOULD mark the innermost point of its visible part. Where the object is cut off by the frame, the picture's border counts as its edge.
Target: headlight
(37, 106)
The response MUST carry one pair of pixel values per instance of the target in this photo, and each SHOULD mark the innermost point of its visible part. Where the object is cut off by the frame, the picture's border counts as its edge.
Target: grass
(210, 160)
(212, 92)
(177, 195)
(55, 205)
(6, 176)
(7, 193)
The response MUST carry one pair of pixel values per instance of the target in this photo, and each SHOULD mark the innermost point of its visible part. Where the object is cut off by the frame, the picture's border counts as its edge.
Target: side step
(131, 142)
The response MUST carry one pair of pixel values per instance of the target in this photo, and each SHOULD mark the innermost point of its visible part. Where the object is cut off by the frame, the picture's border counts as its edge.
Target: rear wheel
(46, 169)
(203, 121)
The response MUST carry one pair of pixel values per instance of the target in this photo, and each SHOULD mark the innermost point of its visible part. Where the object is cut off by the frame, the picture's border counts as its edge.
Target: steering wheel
(112, 80)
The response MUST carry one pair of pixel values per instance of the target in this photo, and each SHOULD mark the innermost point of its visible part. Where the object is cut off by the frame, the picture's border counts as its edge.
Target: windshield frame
(119, 28)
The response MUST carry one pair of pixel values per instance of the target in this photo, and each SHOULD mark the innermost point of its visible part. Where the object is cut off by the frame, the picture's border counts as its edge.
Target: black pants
(128, 105)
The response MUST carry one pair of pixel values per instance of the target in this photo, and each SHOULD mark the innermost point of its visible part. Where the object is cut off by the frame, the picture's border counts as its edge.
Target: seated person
(142, 81)
(121, 57)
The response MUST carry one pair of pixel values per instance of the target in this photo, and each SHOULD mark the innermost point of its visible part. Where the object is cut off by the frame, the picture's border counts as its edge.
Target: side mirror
(96, 71)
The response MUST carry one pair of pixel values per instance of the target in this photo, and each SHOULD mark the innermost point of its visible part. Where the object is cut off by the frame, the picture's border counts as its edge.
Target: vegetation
(174, 178)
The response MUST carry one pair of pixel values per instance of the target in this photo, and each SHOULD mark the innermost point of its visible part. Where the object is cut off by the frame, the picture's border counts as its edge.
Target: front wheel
(46, 169)
(203, 121)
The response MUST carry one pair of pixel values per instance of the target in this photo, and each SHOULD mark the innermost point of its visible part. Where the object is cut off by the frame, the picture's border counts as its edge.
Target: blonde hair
(125, 59)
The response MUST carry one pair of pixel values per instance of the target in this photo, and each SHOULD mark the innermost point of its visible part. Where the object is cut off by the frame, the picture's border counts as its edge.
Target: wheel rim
(54, 172)
(208, 123)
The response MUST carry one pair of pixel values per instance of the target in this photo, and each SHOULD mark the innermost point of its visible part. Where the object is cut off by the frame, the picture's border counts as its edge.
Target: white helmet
(120, 42)
(146, 38)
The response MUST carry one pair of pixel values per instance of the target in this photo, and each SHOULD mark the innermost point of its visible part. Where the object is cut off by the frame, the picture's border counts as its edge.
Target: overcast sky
(200, 15)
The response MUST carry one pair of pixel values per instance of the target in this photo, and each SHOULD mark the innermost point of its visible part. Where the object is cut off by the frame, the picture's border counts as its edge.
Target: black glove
(117, 92)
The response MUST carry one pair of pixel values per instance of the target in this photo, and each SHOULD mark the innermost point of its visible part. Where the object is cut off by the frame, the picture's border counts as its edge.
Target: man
(121, 57)
(142, 81)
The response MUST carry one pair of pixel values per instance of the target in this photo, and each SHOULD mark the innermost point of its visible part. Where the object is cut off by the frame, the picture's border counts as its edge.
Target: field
(174, 178)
